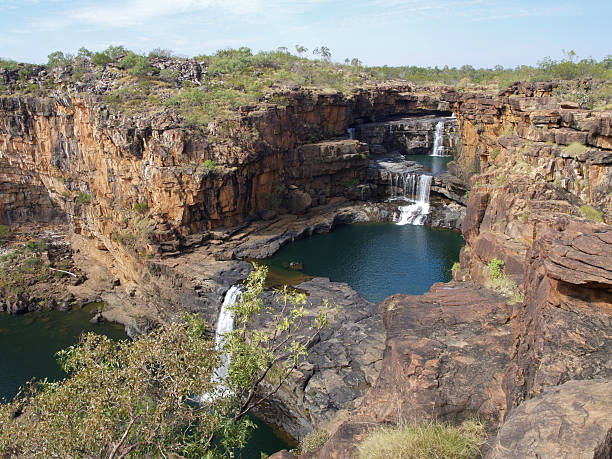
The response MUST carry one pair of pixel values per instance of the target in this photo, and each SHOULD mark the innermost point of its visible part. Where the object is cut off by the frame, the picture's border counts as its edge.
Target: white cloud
(136, 12)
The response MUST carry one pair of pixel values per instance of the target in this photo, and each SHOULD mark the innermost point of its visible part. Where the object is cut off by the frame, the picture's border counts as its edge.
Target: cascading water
(351, 133)
(415, 214)
(438, 146)
(225, 324)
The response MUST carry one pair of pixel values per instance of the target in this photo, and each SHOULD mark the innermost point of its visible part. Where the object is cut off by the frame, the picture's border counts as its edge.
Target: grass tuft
(592, 213)
(574, 149)
(425, 440)
(313, 441)
(501, 283)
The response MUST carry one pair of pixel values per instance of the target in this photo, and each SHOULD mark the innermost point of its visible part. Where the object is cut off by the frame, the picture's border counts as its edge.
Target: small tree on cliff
(157, 396)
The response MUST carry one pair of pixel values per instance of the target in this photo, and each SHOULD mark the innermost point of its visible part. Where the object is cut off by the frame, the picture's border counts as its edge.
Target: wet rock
(97, 318)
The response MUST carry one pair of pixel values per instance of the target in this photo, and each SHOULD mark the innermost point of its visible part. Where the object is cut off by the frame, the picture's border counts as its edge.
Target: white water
(438, 146)
(225, 324)
(351, 133)
(415, 214)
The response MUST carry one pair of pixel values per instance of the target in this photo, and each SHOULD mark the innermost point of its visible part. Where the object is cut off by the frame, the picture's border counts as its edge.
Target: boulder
(573, 421)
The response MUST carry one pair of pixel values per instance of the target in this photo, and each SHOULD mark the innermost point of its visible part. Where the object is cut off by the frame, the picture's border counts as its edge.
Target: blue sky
(392, 32)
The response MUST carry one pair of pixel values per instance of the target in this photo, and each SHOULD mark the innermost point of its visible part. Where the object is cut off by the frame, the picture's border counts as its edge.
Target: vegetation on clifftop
(213, 87)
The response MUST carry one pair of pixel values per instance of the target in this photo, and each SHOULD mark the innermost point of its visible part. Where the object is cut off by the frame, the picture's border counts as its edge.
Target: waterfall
(415, 214)
(438, 146)
(351, 133)
(225, 324)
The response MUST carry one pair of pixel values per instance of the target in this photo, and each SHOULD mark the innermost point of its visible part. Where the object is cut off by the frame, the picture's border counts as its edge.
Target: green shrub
(456, 267)
(209, 164)
(591, 213)
(494, 153)
(8, 64)
(5, 232)
(111, 54)
(496, 268)
(501, 283)
(313, 441)
(141, 207)
(36, 245)
(83, 198)
(424, 440)
(136, 65)
(59, 59)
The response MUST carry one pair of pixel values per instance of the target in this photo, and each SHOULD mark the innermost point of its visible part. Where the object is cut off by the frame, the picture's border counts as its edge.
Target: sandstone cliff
(175, 208)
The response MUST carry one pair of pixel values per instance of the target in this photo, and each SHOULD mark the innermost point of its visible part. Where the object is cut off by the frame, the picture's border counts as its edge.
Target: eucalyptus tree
(159, 395)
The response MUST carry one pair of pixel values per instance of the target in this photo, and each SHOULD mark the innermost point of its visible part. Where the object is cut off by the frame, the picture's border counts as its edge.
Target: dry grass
(313, 441)
(592, 213)
(424, 440)
(574, 149)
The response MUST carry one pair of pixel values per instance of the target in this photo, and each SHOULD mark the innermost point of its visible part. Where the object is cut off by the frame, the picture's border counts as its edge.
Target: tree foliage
(162, 394)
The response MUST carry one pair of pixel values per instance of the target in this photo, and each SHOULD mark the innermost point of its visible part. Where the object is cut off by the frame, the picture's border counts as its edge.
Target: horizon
(465, 32)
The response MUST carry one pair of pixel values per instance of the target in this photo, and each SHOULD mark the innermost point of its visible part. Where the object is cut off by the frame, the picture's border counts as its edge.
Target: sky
(482, 33)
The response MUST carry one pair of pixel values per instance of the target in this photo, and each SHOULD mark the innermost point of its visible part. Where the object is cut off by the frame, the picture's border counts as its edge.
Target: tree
(158, 396)
(59, 59)
(301, 50)
(322, 51)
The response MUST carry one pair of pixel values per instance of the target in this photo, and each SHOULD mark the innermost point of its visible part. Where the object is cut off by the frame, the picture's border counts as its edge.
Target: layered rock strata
(540, 203)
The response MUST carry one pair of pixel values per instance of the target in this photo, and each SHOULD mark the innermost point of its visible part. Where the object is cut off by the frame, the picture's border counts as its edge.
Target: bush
(592, 213)
(59, 59)
(424, 440)
(8, 64)
(574, 149)
(209, 164)
(141, 207)
(313, 441)
(111, 54)
(135, 64)
(501, 283)
(496, 268)
(83, 198)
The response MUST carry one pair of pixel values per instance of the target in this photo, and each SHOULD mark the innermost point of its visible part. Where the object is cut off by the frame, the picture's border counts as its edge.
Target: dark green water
(29, 343)
(376, 259)
(433, 164)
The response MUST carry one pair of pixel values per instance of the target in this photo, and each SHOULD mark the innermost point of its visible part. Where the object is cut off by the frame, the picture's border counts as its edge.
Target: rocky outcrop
(409, 136)
(539, 176)
(341, 366)
(445, 356)
(572, 420)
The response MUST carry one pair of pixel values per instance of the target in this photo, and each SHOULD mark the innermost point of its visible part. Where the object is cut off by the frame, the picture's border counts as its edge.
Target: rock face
(540, 203)
(445, 356)
(177, 209)
(572, 420)
(341, 366)
(409, 136)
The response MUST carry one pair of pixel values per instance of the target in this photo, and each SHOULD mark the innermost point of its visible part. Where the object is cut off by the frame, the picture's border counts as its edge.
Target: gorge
(168, 217)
